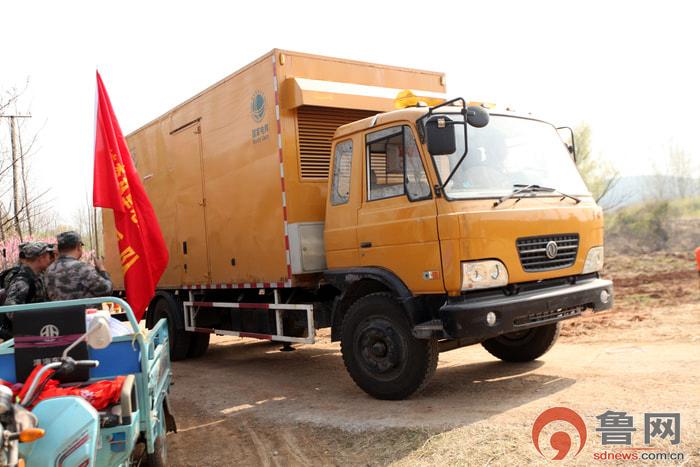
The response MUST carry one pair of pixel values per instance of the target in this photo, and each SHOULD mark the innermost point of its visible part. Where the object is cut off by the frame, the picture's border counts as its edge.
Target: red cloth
(100, 395)
(116, 185)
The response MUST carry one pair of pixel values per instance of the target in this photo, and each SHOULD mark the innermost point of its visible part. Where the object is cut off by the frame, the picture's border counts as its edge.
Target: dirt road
(246, 403)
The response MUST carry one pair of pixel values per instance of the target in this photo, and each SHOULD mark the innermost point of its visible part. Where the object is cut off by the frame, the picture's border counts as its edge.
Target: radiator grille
(316, 126)
(533, 252)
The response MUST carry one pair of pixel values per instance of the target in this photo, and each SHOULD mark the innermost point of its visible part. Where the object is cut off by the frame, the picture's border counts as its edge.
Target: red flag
(116, 185)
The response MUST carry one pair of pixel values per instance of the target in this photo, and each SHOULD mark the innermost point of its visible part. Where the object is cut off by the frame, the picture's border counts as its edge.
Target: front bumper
(465, 317)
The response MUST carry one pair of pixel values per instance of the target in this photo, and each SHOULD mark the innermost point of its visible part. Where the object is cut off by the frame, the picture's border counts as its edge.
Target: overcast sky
(630, 69)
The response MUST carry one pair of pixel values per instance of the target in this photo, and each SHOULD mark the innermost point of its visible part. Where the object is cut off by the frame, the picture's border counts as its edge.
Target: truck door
(191, 230)
(397, 220)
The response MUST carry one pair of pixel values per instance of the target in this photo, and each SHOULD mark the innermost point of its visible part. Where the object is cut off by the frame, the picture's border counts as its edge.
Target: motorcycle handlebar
(87, 363)
(66, 364)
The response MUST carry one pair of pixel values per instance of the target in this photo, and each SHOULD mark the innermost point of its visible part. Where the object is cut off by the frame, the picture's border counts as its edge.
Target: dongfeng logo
(552, 249)
(49, 331)
(560, 440)
(257, 106)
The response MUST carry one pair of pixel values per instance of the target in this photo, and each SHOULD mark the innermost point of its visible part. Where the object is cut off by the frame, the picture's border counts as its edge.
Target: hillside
(640, 188)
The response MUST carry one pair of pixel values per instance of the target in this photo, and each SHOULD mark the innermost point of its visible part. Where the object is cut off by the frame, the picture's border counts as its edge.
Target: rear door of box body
(185, 149)
(243, 179)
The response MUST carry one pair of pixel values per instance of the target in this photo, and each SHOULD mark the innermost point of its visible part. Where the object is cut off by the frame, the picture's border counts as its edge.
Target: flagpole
(94, 142)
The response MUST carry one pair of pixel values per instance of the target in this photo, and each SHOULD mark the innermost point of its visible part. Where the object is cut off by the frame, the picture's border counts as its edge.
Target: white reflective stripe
(358, 89)
(272, 306)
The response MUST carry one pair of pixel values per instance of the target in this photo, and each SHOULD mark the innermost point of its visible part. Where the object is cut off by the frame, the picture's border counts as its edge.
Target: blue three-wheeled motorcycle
(68, 430)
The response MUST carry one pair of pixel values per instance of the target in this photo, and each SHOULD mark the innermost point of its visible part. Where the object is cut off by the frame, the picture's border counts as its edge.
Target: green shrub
(643, 227)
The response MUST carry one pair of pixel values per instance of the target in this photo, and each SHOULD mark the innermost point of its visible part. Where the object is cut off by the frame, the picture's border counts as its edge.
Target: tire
(199, 343)
(166, 307)
(159, 458)
(523, 346)
(380, 352)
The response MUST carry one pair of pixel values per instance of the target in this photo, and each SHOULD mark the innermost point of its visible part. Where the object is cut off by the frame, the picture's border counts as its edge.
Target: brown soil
(246, 403)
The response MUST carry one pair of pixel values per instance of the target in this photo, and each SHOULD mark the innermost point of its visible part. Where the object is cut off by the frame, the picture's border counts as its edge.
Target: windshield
(509, 151)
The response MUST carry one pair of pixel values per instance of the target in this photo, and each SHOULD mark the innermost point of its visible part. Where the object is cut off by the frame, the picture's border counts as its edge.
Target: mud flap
(170, 424)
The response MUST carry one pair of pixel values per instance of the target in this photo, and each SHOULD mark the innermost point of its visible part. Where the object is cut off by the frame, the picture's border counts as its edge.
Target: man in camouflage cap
(68, 278)
(26, 284)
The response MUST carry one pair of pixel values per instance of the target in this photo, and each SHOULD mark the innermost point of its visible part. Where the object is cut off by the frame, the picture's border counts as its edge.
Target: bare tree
(674, 176)
(86, 221)
(657, 185)
(598, 173)
(20, 206)
(680, 168)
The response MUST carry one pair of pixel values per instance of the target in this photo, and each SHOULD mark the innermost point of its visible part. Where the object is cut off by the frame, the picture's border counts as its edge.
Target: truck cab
(454, 225)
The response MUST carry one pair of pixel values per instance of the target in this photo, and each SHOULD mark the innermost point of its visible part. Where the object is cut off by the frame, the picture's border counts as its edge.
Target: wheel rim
(379, 349)
(517, 338)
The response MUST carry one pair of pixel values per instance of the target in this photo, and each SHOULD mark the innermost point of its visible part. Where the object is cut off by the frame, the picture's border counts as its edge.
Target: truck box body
(238, 174)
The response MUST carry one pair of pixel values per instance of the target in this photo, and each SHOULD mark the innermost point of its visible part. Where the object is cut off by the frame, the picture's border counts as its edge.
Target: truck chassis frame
(192, 307)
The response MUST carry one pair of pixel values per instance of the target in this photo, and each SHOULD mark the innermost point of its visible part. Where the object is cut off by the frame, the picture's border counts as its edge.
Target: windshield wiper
(521, 188)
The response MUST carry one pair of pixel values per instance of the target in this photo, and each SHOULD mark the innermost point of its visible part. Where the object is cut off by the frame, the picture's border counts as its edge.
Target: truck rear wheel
(380, 352)
(167, 307)
(523, 346)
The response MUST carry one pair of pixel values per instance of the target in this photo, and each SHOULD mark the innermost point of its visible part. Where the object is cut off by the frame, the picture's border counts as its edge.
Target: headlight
(483, 274)
(594, 260)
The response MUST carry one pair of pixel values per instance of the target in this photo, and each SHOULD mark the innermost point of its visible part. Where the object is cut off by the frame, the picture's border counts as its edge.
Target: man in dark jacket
(68, 278)
(27, 285)
(24, 283)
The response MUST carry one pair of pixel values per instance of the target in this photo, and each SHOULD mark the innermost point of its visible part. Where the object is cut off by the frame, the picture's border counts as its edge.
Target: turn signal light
(31, 434)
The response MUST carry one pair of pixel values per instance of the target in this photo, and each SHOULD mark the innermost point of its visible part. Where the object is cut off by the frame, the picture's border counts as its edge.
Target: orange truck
(300, 193)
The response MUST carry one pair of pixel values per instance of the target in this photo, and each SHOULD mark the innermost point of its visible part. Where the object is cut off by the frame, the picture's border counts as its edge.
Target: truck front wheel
(379, 351)
(523, 346)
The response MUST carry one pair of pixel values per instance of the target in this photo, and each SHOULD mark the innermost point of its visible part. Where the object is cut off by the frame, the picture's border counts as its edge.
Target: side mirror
(440, 133)
(477, 116)
(571, 145)
(98, 333)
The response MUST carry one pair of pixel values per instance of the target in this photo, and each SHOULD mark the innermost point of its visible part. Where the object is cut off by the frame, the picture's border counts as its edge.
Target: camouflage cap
(68, 240)
(34, 249)
(21, 249)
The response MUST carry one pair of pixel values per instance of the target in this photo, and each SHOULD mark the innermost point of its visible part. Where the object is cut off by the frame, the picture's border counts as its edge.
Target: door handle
(365, 244)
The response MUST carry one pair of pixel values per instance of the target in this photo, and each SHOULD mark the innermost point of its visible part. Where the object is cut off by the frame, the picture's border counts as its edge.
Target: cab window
(342, 168)
(394, 165)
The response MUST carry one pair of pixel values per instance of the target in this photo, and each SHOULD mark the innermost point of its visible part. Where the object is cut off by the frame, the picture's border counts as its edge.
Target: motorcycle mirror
(98, 334)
